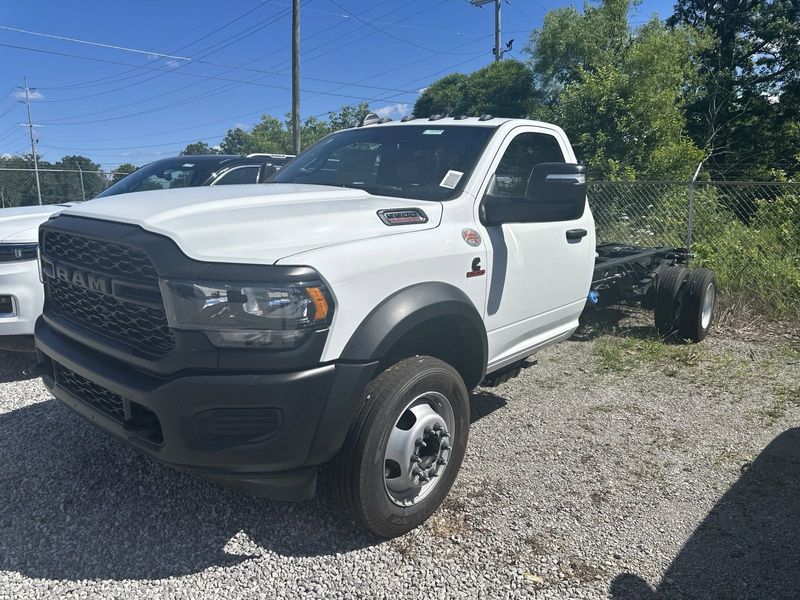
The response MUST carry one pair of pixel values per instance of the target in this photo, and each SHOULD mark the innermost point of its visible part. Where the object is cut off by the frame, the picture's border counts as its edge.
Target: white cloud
(32, 94)
(422, 90)
(393, 111)
(173, 64)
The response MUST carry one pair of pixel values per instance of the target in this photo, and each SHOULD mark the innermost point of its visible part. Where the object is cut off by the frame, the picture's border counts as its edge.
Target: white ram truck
(340, 313)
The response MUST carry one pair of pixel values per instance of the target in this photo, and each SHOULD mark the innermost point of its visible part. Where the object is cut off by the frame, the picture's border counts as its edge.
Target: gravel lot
(615, 467)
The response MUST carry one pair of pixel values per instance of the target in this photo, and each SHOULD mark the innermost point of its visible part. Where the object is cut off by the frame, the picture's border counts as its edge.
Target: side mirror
(266, 172)
(555, 192)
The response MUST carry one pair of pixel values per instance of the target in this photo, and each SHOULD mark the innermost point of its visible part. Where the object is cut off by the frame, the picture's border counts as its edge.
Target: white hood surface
(259, 223)
(21, 224)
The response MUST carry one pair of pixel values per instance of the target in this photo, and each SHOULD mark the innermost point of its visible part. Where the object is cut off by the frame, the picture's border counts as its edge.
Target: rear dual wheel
(685, 302)
(405, 448)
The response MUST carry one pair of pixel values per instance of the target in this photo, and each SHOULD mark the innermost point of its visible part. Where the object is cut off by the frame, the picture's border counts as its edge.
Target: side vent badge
(472, 237)
(402, 216)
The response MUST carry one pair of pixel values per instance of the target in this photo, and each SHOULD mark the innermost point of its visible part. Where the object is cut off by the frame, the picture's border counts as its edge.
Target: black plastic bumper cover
(309, 414)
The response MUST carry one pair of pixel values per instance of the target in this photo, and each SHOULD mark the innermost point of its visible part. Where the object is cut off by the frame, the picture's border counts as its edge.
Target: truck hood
(21, 224)
(259, 223)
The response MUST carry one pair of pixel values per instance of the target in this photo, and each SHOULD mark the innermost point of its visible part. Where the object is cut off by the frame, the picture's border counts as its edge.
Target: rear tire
(668, 299)
(699, 302)
(419, 398)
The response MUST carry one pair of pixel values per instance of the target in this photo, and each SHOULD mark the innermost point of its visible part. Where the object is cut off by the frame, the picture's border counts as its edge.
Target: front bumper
(20, 280)
(261, 431)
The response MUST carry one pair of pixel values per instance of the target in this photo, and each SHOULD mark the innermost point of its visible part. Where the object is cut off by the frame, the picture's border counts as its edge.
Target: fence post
(690, 218)
(83, 190)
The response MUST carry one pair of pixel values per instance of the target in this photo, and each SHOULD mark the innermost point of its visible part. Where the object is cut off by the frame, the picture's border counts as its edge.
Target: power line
(256, 83)
(91, 83)
(162, 72)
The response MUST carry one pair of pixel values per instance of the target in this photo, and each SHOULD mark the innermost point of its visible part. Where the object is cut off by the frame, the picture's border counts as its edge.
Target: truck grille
(99, 398)
(96, 255)
(141, 326)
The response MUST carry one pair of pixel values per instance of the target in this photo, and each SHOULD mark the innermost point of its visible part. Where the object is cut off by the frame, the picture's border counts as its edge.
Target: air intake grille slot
(99, 398)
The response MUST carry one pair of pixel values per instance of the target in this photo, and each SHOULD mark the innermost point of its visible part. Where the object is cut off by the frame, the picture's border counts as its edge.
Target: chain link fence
(18, 186)
(747, 232)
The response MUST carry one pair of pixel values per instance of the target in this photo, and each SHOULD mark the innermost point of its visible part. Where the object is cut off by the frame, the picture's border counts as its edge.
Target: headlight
(18, 252)
(269, 316)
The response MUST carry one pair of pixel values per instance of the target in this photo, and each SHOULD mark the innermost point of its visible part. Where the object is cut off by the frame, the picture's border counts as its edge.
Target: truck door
(539, 273)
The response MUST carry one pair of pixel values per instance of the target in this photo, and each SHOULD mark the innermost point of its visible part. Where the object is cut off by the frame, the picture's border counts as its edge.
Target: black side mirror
(555, 192)
(266, 172)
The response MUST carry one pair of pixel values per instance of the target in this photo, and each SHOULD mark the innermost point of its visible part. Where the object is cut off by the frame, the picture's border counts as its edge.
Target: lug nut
(415, 459)
(441, 461)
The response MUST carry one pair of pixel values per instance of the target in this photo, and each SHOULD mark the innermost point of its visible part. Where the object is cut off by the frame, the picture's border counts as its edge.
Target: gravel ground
(615, 467)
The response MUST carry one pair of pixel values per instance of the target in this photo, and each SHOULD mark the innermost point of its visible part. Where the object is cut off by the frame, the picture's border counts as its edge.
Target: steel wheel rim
(418, 449)
(708, 306)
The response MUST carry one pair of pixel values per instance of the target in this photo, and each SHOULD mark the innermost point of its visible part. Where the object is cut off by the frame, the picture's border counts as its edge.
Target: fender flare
(408, 308)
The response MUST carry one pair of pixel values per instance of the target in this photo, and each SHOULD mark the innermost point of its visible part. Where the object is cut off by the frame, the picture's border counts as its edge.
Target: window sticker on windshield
(451, 179)
(433, 132)
(187, 165)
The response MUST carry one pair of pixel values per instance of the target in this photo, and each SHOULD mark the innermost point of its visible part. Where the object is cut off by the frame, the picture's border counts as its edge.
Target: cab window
(523, 153)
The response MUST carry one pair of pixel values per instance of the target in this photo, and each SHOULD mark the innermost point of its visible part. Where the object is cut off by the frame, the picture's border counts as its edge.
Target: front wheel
(405, 448)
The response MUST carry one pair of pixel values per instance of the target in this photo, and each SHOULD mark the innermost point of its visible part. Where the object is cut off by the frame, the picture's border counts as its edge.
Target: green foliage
(757, 262)
(275, 136)
(618, 92)
(122, 170)
(503, 89)
(198, 148)
(745, 110)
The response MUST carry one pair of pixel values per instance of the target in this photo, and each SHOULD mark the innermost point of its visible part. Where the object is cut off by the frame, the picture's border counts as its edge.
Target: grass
(784, 398)
(620, 354)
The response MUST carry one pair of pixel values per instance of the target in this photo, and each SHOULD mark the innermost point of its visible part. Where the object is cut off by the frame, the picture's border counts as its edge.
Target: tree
(122, 170)
(503, 89)
(271, 135)
(68, 182)
(746, 112)
(196, 148)
(234, 141)
(618, 92)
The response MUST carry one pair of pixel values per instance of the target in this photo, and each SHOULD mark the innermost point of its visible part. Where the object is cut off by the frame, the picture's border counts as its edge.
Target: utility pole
(498, 54)
(497, 51)
(296, 76)
(33, 144)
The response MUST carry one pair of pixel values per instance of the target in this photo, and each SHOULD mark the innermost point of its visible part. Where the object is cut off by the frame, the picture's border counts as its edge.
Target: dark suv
(192, 171)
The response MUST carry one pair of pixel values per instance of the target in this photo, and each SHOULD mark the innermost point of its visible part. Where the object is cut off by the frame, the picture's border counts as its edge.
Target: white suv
(21, 293)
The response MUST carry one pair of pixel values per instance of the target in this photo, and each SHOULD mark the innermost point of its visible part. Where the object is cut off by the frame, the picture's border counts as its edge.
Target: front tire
(404, 450)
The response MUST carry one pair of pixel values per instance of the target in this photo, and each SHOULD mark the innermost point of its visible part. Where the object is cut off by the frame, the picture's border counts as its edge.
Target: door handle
(576, 234)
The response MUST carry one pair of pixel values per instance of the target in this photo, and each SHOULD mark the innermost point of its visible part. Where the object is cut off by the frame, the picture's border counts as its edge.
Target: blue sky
(144, 99)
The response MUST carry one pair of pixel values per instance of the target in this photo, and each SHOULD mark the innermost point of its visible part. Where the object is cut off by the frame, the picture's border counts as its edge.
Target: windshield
(162, 175)
(424, 162)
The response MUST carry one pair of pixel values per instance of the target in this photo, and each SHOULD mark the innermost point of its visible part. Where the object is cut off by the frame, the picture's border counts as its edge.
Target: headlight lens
(269, 316)
(18, 252)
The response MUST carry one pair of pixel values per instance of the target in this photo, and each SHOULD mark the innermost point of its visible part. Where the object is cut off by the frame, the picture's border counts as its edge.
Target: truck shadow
(16, 366)
(75, 504)
(747, 546)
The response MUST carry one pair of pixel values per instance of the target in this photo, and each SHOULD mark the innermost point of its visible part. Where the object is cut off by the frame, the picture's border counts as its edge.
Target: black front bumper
(261, 431)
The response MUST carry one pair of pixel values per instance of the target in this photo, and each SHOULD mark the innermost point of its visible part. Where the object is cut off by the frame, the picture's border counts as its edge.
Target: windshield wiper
(373, 188)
